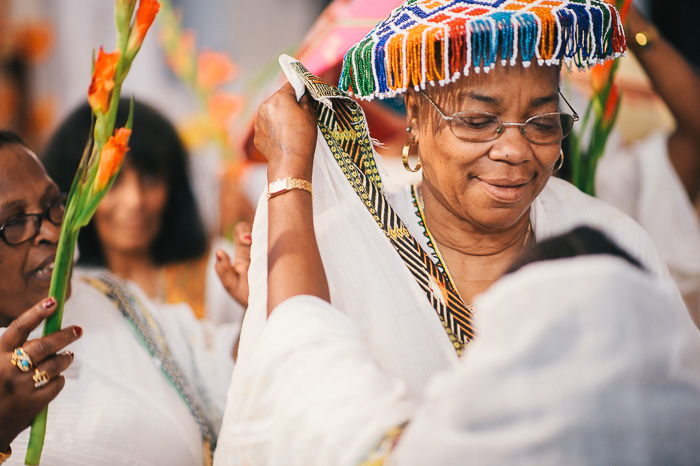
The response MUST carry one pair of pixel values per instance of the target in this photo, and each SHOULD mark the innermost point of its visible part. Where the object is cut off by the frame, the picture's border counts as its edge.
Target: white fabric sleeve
(310, 393)
(641, 180)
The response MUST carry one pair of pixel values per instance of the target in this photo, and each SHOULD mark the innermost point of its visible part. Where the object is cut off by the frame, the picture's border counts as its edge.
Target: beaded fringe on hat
(429, 42)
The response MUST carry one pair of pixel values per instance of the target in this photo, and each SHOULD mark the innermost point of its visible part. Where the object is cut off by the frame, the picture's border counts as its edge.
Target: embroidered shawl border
(344, 129)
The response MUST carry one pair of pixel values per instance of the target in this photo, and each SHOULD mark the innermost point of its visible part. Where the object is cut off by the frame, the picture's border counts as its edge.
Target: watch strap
(283, 185)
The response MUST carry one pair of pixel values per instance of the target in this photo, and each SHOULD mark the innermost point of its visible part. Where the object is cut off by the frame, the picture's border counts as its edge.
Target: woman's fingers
(234, 276)
(223, 267)
(18, 331)
(41, 348)
(227, 274)
(55, 365)
(243, 240)
(47, 380)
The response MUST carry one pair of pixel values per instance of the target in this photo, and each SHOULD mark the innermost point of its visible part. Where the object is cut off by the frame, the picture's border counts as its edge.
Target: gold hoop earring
(405, 153)
(561, 161)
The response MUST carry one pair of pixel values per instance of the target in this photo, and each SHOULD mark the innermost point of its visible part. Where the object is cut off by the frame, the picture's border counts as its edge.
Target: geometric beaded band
(429, 42)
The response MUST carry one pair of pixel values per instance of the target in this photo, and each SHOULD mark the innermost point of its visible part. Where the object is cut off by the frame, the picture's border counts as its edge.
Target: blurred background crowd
(208, 66)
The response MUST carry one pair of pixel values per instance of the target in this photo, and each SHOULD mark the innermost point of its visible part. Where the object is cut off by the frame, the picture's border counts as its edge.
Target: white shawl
(583, 361)
(372, 286)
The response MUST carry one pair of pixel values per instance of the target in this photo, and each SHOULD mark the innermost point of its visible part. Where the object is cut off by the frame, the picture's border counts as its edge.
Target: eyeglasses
(548, 128)
(26, 227)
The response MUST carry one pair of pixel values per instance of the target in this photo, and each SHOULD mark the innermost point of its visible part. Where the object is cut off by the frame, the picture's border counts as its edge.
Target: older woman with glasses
(144, 384)
(480, 81)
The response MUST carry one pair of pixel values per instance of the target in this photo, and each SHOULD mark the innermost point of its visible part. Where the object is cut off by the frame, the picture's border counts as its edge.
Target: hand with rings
(30, 370)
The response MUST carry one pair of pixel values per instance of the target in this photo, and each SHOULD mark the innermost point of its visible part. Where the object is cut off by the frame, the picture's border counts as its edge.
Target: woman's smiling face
(131, 214)
(25, 268)
(490, 185)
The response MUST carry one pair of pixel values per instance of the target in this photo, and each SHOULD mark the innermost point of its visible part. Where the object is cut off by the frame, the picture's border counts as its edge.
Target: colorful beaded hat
(437, 41)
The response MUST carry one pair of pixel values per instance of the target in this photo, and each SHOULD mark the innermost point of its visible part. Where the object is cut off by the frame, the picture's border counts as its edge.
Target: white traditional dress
(118, 407)
(372, 285)
(583, 361)
(640, 180)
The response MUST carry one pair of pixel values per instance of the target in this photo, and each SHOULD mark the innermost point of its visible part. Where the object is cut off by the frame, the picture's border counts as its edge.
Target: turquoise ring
(21, 359)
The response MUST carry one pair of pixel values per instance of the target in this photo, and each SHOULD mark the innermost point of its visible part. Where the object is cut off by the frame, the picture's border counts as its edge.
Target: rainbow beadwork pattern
(429, 42)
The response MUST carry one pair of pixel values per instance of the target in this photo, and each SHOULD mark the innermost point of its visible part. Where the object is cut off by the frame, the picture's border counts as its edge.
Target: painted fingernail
(247, 237)
(49, 303)
(70, 353)
(77, 331)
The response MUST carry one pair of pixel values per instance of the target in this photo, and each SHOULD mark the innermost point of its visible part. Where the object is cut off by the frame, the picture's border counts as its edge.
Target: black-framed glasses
(26, 227)
(548, 128)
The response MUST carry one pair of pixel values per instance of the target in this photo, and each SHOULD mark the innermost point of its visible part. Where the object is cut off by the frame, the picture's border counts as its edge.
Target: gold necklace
(421, 209)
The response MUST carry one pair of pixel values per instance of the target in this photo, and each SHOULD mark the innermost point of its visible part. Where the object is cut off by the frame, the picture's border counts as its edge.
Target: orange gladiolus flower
(181, 60)
(145, 14)
(600, 75)
(611, 104)
(214, 68)
(111, 158)
(102, 82)
(222, 107)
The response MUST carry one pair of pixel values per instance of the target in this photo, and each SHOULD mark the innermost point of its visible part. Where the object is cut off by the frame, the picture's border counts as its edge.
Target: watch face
(278, 185)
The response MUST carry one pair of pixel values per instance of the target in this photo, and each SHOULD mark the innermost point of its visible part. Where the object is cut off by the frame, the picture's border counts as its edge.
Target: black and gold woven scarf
(345, 130)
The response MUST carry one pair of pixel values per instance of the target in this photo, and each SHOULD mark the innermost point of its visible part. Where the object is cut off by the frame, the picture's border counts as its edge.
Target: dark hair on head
(9, 137)
(154, 149)
(580, 241)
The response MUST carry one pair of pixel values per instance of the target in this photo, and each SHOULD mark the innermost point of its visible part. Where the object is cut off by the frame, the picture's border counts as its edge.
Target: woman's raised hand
(285, 133)
(30, 371)
(234, 276)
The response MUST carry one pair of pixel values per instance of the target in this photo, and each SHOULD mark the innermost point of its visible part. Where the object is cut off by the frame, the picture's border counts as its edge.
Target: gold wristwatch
(284, 185)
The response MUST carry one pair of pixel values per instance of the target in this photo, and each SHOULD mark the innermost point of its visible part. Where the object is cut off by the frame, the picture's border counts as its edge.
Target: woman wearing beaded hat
(481, 81)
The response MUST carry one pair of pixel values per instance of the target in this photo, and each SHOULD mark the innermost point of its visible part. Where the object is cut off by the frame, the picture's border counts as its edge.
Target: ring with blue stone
(21, 359)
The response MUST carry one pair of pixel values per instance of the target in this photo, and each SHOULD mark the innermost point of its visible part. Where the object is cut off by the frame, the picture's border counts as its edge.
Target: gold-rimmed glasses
(472, 126)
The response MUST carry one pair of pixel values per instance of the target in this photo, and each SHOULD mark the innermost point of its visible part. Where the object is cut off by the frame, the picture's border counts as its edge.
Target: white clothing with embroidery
(117, 407)
(577, 361)
(640, 180)
(369, 282)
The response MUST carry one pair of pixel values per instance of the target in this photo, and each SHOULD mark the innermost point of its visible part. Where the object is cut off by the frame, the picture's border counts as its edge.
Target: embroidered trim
(151, 335)
(380, 453)
(421, 222)
(356, 159)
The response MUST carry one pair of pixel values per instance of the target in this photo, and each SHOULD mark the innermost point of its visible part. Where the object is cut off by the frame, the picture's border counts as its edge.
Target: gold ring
(21, 359)
(41, 378)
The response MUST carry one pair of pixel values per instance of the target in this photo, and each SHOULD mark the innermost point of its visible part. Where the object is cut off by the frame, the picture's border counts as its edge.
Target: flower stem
(59, 284)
